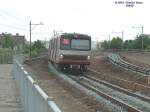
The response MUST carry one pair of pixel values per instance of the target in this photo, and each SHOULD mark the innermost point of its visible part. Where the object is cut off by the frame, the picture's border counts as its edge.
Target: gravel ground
(101, 64)
(66, 97)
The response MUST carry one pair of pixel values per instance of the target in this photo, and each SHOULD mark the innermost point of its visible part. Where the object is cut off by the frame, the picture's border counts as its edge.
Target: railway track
(117, 60)
(129, 101)
(84, 80)
(113, 94)
(133, 86)
(147, 99)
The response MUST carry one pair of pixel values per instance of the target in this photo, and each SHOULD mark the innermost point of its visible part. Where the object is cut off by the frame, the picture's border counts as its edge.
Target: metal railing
(33, 98)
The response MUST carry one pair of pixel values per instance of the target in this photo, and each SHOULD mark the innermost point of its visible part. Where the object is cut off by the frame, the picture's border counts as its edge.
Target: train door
(55, 49)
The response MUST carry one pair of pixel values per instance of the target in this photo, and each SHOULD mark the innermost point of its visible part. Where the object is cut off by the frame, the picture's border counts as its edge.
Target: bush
(5, 50)
(38, 46)
(148, 47)
(34, 54)
(26, 51)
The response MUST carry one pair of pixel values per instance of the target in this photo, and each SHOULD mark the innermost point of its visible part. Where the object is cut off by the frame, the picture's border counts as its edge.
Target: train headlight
(61, 56)
(88, 57)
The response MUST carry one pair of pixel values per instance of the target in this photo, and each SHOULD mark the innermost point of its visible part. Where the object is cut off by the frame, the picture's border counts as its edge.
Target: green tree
(138, 42)
(105, 44)
(38, 46)
(128, 44)
(116, 43)
(8, 43)
(146, 41)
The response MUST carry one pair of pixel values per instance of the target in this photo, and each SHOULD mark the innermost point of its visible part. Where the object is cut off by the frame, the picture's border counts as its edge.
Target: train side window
(53, 44)
(56, 44)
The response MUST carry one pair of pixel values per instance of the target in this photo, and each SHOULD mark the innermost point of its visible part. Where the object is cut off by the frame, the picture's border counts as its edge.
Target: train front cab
(74, 52)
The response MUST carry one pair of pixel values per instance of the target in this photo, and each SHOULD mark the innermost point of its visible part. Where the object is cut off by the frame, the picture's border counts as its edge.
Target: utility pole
(30, 37)
(108, 36)
(109, 41)
(142, 28)
(30, 24)
(56, 32)
(122, 39)
(142, 37)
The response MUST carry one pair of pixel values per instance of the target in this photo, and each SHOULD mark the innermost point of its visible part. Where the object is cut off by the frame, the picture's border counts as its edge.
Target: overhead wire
(11, 21)
(18, 19)
(7, 20)
(9, 26)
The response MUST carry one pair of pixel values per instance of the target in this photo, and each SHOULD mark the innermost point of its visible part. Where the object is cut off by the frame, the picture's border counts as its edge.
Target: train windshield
(80, 44)
(75, 44)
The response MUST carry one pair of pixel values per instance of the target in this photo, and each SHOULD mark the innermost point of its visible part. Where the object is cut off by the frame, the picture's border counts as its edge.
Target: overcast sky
(97, 18)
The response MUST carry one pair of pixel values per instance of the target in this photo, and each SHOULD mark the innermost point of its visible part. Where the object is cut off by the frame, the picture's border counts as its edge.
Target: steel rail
(118, 88)
(115, 58)
(128, 107)
(132, 65)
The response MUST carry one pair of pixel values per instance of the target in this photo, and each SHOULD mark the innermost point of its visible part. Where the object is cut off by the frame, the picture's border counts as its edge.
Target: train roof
(73, 34)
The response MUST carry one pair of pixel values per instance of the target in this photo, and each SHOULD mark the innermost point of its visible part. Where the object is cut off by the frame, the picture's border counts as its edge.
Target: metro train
(70, 51)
